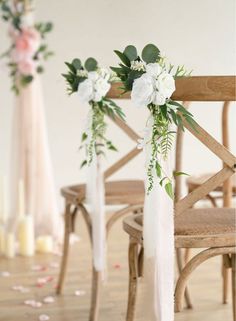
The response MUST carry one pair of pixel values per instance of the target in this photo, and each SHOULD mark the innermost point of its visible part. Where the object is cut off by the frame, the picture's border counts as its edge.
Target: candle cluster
(21, 229)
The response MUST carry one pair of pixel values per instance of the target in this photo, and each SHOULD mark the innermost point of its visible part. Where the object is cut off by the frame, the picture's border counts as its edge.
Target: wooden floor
(205, 286)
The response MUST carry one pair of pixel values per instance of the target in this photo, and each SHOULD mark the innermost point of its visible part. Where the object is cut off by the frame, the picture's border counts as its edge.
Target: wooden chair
(225, 192)
(211, 229)
(129, 193)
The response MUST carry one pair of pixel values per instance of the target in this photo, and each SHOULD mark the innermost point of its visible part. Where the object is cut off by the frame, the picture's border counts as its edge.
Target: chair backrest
(193, 89)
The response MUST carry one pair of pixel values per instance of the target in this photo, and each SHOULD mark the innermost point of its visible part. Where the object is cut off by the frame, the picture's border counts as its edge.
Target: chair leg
(133, 279)
(64, 259)
(233, 264)
(180, 267)
(225, 282)
(95, 295)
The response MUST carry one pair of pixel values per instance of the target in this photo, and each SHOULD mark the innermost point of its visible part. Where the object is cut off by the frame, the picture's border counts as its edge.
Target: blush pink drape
(31, 162)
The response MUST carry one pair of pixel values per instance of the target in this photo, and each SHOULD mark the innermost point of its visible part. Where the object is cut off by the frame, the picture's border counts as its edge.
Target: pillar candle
(2, 238)
(10, 245)
(44, 244)
(26, 236)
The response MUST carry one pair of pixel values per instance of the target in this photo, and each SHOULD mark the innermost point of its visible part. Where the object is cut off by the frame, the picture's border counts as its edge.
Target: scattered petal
(79, 292)
(117, 266)
(39, 268)
(5, 274)
(36, 304)
(24, 290)
(44, 317)
(54, 265)
(49, 279)
(17, 287)
(29, 302)
(49, 299)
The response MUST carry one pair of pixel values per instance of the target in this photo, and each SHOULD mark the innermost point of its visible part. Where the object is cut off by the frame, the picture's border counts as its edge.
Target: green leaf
(90, 64)
(150, 53)
(169, 190)
(76, 63)
(131, 53)
(179, 174)
(25, 80)
(40, 69)
(84, 137)
(123, 58)
(83, 164)
(158, 170)
(71, 67)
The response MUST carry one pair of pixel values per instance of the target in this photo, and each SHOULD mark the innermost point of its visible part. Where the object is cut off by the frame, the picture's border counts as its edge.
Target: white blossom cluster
(154, 86)
(95, 87)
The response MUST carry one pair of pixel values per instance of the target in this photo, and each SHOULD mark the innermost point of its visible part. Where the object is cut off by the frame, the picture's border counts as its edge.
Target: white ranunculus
(165, 84)
(86, 91)
(101, 87)
(159, 99)
(142, 91)
(153, 69)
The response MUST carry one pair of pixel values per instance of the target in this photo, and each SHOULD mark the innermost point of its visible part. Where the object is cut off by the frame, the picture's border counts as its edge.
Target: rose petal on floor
(5, 274)
(49, 299)
(54, 265)
(79, 292)
(44, 317)
(117, 266)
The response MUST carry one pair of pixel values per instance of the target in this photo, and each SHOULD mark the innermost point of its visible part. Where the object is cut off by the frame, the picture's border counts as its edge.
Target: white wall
(199, 34)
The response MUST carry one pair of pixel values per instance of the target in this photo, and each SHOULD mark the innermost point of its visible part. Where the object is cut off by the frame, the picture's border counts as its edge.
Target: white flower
(104, 73)
(159, 99)
(165, 84)
(94, 87)
(85, 90)
(101, 87)
(153, 69)
(82, 73)
(143, 90)
(138, 65)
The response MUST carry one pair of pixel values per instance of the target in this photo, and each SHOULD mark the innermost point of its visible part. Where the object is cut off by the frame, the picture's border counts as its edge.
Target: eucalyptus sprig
(151, 82)
(90, 78)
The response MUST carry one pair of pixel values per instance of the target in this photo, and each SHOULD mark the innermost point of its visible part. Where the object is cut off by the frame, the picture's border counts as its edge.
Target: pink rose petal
(79, 292)
(117, 266)
(36, 304)
(5, 274)
(49, 299)
(44, 317)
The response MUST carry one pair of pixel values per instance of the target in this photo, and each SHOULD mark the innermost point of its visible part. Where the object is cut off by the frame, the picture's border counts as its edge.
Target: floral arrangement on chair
(152, 82)
(28, 49)
(92, 83)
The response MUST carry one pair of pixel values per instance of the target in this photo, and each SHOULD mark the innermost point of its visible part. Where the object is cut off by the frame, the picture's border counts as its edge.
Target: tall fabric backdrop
(31, 162)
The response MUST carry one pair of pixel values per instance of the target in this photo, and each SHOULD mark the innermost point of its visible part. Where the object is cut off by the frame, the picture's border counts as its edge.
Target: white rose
(101, 87)
(93, 75)
(165, 84)
(86, 91)
(153, 69)
(142, 91)
(104, 73)
(159, 99)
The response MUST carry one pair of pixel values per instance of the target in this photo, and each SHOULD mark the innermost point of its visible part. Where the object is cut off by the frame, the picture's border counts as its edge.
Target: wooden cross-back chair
(129, 193)
(212, 229)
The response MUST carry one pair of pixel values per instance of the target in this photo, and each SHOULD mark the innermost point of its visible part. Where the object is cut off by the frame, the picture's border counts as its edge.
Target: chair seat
(197, 228)
(116, 192)
(194, 181)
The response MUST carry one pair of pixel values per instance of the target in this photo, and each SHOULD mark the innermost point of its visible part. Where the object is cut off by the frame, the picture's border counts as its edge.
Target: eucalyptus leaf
(131, 52)
(150, 53)
(76, 63)
(91, 64)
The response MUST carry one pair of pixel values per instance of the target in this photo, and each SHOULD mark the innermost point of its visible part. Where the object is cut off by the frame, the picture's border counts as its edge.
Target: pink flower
(27, 43)
(26, 67)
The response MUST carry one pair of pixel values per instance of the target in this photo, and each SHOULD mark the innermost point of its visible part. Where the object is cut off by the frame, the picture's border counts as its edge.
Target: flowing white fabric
(95, 198)
(158, 234)
(31, 162)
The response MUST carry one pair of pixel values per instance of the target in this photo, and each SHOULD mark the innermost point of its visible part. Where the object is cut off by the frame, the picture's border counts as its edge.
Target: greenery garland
(92, 84)
(151, 82)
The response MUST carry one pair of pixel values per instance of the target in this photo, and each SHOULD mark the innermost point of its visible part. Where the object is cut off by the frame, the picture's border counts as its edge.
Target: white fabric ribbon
(95, 198)
(158, 234)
